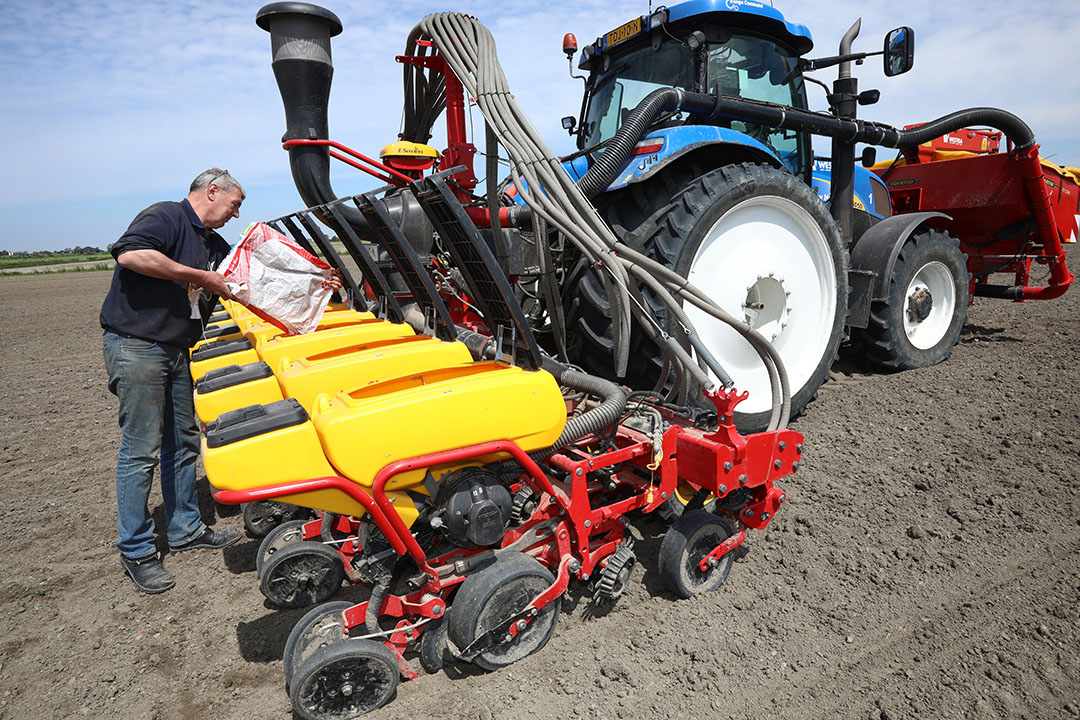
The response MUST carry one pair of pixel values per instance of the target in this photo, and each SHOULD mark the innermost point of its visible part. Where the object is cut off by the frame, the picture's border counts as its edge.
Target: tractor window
(754, 68)
(631, 78)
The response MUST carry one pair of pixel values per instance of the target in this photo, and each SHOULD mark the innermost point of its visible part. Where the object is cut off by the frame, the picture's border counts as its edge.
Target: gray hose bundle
(544, 186)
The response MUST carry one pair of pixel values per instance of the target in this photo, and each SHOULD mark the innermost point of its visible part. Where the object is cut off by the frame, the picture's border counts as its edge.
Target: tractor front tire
(919, 322)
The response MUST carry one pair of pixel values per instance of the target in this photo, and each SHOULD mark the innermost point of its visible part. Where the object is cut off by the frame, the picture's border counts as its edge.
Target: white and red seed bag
(277, 279)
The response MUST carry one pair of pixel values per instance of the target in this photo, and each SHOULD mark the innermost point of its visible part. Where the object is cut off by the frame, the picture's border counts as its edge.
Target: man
(162, 291)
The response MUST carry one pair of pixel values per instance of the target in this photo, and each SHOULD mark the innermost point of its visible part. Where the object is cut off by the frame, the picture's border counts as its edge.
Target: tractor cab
(750, 53)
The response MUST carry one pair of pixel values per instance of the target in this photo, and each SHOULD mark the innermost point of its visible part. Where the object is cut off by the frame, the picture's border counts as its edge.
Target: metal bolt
(782, 498)
(347, 689)
(436, 611)
(776, 464)
(588, 523)
(764, 516)
(508, 637)
(722, 489)
(795, 466)
(578, 472)
(742, 479)
(533, 611)
(727, 467)
(782, 445)
(522, 624)
(585, 576)
(712, 562)
(663, 496)
(591, 463)
(798, 448)
(748, 512)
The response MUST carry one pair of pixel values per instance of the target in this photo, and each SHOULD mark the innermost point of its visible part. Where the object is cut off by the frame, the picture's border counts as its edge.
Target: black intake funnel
(300, 39)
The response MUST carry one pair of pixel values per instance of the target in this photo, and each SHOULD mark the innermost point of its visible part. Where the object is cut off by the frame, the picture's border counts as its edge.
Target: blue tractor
(727, 191)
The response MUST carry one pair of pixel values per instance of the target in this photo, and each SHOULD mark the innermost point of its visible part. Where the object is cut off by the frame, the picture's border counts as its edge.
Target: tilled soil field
(925, 565)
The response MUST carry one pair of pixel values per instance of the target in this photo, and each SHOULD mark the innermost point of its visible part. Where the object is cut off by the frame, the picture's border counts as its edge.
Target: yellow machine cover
(351, 367)
(364, 430)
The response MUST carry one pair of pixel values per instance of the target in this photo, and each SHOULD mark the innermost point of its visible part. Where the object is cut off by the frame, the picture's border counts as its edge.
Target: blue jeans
(157, 421)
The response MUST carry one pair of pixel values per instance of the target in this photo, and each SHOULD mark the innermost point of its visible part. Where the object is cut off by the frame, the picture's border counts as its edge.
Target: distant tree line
(80, 250)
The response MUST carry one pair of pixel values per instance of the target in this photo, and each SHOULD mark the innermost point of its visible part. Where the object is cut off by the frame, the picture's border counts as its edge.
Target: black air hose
(607, 412)
(1014, 128)
(607, 166)
(603, 415)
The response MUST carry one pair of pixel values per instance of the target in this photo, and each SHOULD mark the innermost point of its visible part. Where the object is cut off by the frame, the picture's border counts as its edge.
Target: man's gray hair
(225, 182)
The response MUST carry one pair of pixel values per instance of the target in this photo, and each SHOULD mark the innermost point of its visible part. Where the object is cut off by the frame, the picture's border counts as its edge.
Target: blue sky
(112, 105)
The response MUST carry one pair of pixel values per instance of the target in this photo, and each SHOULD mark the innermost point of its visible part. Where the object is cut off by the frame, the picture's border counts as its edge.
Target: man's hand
(215, 283)
(334, 281)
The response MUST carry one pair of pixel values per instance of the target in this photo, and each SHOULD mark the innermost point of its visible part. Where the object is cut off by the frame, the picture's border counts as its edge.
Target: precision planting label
(623, 33)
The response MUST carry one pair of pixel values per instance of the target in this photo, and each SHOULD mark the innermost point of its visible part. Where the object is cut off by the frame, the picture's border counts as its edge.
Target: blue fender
(677, 142)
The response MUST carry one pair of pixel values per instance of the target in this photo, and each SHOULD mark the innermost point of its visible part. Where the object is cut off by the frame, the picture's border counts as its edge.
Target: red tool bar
(272, 492)
(403, 536)
(393, 176)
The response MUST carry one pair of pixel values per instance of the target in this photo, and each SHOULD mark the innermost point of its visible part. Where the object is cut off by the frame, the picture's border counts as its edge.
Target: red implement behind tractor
(1008, 209)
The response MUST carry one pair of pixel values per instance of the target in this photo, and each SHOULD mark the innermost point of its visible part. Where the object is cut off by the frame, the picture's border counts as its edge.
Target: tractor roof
(744, 14)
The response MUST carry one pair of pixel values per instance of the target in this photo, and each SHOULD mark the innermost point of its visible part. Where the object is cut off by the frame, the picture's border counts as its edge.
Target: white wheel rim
(929, 305)
(768, 262)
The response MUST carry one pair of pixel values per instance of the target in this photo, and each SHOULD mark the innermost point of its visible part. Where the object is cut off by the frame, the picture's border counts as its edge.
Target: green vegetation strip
(22, 261)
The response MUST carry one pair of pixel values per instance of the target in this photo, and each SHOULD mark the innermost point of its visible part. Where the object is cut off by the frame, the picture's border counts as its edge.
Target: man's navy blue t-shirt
(155, 309)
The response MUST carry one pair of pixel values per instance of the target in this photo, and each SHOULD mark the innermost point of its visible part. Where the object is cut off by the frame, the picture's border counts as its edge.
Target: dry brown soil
(924, 566)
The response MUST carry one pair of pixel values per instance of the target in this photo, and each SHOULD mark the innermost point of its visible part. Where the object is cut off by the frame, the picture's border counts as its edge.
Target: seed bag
(277, 279)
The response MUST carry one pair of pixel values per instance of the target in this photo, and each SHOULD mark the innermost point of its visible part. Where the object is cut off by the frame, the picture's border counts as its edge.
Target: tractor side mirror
(869, 157)
(569, 124)
(899, 51)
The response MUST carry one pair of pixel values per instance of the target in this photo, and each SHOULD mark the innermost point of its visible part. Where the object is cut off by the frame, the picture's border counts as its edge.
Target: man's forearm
(158, 265)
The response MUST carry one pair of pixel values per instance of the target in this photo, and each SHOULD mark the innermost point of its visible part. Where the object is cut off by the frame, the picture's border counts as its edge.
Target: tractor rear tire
(755, 239)
(919, 322)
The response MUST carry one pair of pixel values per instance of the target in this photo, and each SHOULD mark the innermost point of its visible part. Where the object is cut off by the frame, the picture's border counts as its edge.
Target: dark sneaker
(148, 574)
(209, 538)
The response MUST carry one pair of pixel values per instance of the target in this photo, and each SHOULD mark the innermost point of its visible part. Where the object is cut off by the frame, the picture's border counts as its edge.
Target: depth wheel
(755, 239)
(926, 307)
(344, 680)
(691, 538)
(321, 626)
(302, 574)
(262, 516)
(493, 595)
(279, 537)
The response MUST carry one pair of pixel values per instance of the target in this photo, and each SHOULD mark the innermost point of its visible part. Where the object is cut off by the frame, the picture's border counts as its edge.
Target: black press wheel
(319, 627)
(434, 651)
(344, 680)
(301, 574)
(279, 537)
(755, 239)
(262, 516)
(925, 308)
(492, 596)
(687, 541)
